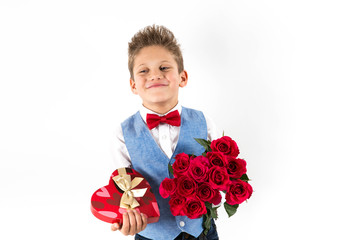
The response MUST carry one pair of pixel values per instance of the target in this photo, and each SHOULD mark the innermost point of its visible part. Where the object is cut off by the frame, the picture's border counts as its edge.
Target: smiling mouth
(157, 85)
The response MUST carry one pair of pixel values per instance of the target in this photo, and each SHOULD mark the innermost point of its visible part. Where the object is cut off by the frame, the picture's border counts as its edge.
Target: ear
(133, 86)
(183, 79)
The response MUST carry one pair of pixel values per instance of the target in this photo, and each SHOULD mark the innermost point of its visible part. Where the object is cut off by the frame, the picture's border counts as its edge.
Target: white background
(280, 77)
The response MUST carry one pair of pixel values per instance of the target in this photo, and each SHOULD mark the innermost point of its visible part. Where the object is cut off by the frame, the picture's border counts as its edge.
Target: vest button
(182, 224)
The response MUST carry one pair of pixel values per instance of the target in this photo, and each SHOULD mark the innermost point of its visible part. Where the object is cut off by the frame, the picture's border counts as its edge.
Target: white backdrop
(280, 77)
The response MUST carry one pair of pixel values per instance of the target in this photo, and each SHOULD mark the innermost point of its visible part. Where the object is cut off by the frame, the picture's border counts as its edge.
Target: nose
(156, 75)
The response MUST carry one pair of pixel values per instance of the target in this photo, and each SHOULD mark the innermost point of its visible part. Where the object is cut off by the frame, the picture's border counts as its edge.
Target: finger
(132, 221)
(125, 226)
(115, 227)
(139, 222)
(144, 220)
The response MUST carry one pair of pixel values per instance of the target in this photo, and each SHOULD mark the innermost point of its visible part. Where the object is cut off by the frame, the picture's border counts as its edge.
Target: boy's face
(156, 78)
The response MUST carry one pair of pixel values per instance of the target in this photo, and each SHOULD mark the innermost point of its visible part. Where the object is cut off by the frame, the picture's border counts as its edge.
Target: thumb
(115, 227)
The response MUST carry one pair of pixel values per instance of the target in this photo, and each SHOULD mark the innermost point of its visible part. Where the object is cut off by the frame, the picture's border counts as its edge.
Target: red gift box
(127, 189)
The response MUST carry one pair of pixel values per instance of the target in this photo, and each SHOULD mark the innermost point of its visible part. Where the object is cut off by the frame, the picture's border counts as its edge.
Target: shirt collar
(144, 111)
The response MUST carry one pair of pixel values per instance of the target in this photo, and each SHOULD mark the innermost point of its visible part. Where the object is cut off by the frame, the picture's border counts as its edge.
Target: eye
(164, 68)
(143, 71)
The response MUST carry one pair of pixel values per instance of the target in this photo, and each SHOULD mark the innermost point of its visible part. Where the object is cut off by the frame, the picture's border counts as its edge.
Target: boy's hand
(133, 222)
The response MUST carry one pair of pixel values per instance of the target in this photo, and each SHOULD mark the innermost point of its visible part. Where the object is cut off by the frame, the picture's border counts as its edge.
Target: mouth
(156, 85)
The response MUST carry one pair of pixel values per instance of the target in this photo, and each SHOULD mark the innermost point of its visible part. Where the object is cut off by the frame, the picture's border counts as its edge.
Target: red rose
(167, 187)
(207, 194)
(225, 145)
(203, 160)
(198, 169)
(216, 158)
(186, 186)
(238, 191)
(236, 167)
(181, 164)
(217, 198)
(218, 178)
(177, 205)
(194, 208)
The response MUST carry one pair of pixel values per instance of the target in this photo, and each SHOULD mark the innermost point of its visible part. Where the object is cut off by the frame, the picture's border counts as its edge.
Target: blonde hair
(154, 35)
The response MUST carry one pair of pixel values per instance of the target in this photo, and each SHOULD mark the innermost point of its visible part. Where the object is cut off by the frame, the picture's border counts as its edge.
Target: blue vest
(148, 159)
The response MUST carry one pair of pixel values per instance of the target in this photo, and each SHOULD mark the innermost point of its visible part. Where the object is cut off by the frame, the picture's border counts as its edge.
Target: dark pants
(211, 235)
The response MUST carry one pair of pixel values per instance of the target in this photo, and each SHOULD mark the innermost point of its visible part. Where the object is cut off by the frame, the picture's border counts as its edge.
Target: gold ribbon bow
(123, 181)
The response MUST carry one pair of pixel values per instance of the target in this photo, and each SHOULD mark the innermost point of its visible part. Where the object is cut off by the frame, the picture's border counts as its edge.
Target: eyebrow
(164, 61)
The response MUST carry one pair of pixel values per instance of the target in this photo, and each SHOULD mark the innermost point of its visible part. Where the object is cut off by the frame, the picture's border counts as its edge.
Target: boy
(150, 139)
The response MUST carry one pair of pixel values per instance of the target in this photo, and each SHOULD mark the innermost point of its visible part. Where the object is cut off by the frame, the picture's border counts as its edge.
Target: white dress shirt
(165, 135)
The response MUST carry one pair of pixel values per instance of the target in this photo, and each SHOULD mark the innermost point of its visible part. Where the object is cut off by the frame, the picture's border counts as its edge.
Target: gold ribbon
(123, 181)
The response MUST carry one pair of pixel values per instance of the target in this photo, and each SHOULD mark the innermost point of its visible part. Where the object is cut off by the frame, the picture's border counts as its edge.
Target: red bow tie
(172, 118)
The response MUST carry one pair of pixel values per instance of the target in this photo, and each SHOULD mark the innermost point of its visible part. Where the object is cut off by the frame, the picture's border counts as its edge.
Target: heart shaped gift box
(127, 189)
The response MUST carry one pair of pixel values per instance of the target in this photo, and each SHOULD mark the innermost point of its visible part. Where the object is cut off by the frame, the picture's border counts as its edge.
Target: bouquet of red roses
(195, 189)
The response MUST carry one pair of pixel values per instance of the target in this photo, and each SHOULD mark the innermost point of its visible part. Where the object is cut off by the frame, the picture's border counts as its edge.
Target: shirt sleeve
(121, 157)
(213, 131)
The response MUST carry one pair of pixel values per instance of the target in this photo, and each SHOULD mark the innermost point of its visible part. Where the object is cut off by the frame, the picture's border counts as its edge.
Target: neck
(160, 108)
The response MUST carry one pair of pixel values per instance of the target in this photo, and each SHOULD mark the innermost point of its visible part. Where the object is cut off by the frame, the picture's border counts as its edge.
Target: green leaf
(207, 222)
(208, 205)
(223, 133)
(171, 169)
(245, 178)
(205, 143)
(230, 209)
(214, 213)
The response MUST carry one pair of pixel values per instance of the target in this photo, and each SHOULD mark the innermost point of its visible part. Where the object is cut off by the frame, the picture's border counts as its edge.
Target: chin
(160, 98)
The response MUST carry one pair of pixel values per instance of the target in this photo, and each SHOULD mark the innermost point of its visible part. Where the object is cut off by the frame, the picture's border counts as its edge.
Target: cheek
(174, 78)
(139, 85)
